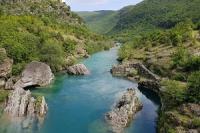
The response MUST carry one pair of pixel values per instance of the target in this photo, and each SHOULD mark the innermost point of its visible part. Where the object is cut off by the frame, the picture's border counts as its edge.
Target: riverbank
(184, 116)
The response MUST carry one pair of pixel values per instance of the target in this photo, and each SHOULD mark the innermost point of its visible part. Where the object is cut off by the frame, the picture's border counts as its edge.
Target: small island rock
(78, 69)
(124, 111)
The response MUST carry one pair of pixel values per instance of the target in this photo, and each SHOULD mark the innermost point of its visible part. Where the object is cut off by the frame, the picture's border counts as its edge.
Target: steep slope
(100, 21)
(155, 14)
(44, 30)
(165, 38)
(144, 17)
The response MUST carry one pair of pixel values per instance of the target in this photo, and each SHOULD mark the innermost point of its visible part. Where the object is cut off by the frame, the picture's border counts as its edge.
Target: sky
(94, 5)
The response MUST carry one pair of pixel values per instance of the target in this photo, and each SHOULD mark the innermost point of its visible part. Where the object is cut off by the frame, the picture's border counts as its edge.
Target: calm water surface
(77, 104)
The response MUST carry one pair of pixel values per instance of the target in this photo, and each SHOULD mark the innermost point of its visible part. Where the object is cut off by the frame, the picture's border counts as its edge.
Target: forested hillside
(144, 17)
(47, 31)
(164, 35)
(154, 15)
(100, 21)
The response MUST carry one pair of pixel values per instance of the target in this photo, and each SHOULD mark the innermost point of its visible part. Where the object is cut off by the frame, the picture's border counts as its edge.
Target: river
(77, 104)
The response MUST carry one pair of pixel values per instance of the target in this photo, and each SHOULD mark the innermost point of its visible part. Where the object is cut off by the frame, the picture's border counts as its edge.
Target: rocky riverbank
(20, 104)
(184, 119)
(123, 112)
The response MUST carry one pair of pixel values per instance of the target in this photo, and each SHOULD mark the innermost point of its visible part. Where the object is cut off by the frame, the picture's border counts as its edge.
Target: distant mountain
(100, 21)
(146, 16)
(159, 14)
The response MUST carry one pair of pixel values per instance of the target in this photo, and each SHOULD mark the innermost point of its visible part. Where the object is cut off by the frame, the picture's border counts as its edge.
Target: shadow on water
(151, 95)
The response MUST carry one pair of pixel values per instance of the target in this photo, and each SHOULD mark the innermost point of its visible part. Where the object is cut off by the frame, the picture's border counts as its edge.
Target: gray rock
(190, 109)
(124, 111)
(42, 107)
(127, 69)
(5, 64)
(35, 74)
(9, 84)
(2, 82)
(78, 69)
(20, 103)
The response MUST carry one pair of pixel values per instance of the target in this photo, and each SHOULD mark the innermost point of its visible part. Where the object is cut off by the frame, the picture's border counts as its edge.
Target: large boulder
(124, 111)
(78, 69)
(35, 74)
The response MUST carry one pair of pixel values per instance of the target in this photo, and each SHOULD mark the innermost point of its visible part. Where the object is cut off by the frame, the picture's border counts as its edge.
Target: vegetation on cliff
(165, 36)
(45, 31)
(173, 54)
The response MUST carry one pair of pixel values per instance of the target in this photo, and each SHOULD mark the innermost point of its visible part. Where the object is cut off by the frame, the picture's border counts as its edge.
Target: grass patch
(174, 93)
(3, 95)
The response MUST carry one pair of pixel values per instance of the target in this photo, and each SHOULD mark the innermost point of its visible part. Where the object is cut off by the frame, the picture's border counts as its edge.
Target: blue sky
(93, 5)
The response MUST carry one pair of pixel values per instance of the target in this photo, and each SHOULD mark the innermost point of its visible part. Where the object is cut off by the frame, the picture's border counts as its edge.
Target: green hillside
(100, 21)
(155, 14)
(142, 18)
(45, 31)
(164, 35)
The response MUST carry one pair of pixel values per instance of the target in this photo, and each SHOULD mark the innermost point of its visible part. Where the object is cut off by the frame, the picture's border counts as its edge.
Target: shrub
(2, 56)
(53, 54)
(180, 57)
(3, 95)
(193, 93)
(174, 93)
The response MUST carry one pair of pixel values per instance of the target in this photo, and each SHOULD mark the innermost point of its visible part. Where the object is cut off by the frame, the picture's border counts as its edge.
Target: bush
(174, 93)
(2, 57)
(193, 93)
(53, 54)
(3, 95)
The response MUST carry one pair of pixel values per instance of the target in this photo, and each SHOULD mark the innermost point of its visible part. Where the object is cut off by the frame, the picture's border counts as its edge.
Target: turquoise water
(77, 104)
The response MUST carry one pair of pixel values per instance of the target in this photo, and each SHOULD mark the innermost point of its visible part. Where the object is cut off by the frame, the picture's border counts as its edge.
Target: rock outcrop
(5, 64)
(20, 103)
(35, 74)
(149, 84)
(9, 84)
(5, 67)
(128, 68)
(124, 111)
(78, 69)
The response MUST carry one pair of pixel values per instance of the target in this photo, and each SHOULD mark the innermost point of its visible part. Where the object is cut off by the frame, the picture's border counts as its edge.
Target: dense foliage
(194, 87)
(155, 14)
(48, 38)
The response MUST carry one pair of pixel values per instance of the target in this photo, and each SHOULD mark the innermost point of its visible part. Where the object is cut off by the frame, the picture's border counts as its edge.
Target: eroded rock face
(20, 103)
(35, 73)
(124, 111)
(2, 82)
(127, 68)
(78, 69)
(5, 64)
(9, 84)
(190, 109)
